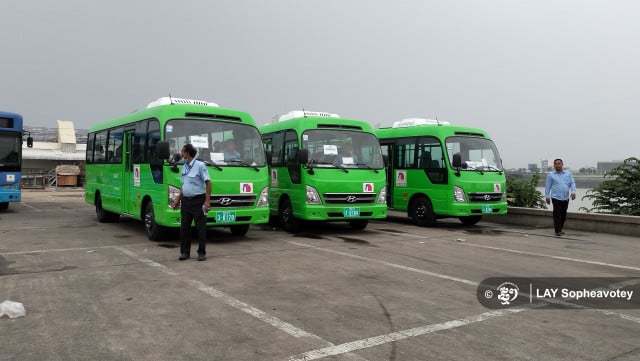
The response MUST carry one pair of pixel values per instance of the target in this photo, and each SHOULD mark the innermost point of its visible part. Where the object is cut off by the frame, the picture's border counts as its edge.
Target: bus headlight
(263, 199)
(458, 195)
(312, 196)
(173, 194)
(382, 198)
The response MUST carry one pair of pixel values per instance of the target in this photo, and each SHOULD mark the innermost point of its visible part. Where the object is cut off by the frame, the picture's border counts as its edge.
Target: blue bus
(10, 158)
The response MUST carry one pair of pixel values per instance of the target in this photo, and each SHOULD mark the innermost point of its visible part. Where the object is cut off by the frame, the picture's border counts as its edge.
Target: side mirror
(303, 155)
(268, 155)
(457, 160)
(162, 150)
(30, 142)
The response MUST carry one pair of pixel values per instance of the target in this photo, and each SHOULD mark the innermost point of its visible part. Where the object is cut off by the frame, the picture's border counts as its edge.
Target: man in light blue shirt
(194, 201)
(559, 187)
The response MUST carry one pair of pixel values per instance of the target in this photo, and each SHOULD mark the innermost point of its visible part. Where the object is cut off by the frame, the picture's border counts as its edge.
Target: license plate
(225, 217)
(487, 208)
(351, 212)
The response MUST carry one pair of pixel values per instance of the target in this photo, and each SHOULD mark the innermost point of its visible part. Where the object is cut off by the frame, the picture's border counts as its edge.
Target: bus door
(387, 152)
(131, 175)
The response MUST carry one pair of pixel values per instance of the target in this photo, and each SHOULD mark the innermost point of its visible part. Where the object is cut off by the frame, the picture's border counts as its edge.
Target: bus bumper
(217, 217)
(477, 209)
(343, 213)
(9, 195)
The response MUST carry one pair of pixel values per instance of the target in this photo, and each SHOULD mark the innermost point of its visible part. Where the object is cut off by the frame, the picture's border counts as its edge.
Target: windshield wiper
(341, 167)
(212, 164)
(368, 167)
(249, 165)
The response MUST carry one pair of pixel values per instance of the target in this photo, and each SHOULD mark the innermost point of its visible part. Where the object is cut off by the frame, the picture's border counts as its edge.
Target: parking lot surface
(394, 291)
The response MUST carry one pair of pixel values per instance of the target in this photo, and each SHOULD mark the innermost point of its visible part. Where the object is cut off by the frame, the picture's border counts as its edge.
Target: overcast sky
(545, 78)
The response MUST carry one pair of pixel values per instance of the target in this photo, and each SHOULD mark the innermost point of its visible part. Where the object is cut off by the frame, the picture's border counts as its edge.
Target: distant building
(607, 166)
(50, 150)
(533, 168)
(544, 164)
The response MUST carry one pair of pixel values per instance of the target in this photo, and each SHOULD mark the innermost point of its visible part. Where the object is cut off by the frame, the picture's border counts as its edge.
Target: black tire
(359, 224)
(153, 229)
(239, 230)
(422, 212)
(288, 221)
(104, 216)
(4, 206)
(470, 220)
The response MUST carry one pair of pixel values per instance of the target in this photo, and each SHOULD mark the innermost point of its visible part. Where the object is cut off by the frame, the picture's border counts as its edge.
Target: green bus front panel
(483, 192)
(344, 196)
(233, 197)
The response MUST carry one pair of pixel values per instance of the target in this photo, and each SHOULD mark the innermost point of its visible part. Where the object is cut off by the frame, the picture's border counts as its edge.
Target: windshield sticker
(169, 129)
(330, 149)
(199, 142)
(216, 157)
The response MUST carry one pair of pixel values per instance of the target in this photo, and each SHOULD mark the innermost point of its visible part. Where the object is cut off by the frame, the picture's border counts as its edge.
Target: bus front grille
(485, 197)
(232, 200)
(349, 198)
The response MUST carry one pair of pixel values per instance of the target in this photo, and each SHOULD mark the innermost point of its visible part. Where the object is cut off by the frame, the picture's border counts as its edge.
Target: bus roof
(181, 110)
(17, 120)
(439, 130)
(323, 121)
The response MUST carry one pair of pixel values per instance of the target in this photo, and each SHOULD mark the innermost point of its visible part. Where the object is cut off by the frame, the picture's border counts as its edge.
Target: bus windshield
(10, 146)
(342, 148)
(477, 154)
(217, 143)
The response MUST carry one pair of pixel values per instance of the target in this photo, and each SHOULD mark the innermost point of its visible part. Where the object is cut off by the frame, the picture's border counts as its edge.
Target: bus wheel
(470, 220)
(104, 216)
(422, 212)
(240, 230)
(153, 229)
(289, 222)
(4, 206)
(359, 224)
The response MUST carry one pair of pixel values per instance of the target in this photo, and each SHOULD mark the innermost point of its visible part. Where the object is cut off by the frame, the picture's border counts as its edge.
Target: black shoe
(562, 233)
(201, 257)
(558, 234)
(183, 257)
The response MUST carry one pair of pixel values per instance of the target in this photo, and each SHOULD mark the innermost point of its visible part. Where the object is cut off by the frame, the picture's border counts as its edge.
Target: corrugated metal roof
(50, 154)
(66, 132)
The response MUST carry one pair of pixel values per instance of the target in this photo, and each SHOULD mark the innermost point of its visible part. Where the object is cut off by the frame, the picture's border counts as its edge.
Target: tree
(522, 193)
(620, 194)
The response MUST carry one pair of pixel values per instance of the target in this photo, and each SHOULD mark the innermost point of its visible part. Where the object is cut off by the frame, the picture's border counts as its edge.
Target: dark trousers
(559, 213)
(191, 210)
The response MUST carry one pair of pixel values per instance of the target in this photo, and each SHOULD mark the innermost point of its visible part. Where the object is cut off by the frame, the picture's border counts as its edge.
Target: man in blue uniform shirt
(194, 202)
(559, 187)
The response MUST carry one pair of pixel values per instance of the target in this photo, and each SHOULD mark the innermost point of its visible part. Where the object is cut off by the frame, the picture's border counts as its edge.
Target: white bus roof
(414, 122)
(172, 100)
(305, 113)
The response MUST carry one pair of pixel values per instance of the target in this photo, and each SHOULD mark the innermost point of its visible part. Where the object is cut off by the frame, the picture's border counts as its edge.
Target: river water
(576, 204)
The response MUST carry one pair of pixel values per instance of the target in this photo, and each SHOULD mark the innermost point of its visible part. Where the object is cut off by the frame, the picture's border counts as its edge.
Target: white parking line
(400, 335)
(242, 306)
(612, 265)
(411, 269)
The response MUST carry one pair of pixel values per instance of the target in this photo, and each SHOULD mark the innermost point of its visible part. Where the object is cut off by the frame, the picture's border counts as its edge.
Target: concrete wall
(592, 222)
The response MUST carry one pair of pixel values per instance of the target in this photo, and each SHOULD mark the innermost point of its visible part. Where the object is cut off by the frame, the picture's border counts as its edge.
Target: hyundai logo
(352, 199)
(225, 201)
(487, 197)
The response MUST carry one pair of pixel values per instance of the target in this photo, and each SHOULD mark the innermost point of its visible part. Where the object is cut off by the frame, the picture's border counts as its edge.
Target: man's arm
(547, 188)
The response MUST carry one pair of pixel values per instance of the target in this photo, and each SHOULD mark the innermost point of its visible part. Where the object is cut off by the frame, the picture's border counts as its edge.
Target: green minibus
(437, 170)
(133, 169)
(324, 168)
